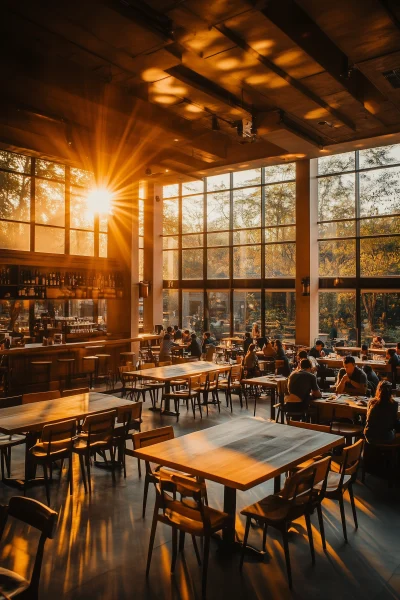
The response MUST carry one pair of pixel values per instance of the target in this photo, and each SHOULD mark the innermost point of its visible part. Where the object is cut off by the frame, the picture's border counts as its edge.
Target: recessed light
(167, 170)
(176, 140)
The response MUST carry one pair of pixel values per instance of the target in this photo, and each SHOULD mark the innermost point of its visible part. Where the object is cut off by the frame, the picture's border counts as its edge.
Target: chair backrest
(100, 426)
(212, 379)
(154, 436)
(329, 411)
(127, 414)
(313, 426)
(321, 476)
(190, 505)
(298, 488)
(351, 460)
(59, 436)
(210, 352)
(84, 390)
(10, 401)
(236, 373)
(165, 363)
(40, 396)
(39, 516)
(292, 399)
(147, 366)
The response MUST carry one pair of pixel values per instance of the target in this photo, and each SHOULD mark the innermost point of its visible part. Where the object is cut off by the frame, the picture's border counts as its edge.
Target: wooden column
(153, 259)
(306, 251)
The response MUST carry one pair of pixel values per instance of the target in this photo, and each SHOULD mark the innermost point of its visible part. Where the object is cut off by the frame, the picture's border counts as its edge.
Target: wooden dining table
(337, 363)
(358, 404)
(31, 418)
(172, 372)
(240, 455)
(277, 384)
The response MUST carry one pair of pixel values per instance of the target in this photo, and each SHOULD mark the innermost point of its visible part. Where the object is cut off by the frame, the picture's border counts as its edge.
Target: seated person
(255, 332)
(301, 356)
(177, 333)
(394, 360)
(268, 349)
(194, 347)
(377, 342)
(170, 331)
(247, 341)
(186, 337)
(208, 341)
(398, 348)
(250, 362)
(318, 350)
(364, 354)
(280, 355)
(382, 419)
(165, 348)
(372, 378)
(351, 379)
(303, 384)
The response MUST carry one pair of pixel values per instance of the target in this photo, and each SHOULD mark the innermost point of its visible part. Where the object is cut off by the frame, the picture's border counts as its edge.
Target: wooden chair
(7, 442)
(190, 394)
(211, 350)
(40, 396)
(339, 483)
(340, 419)
(189, 515)
(129, 419)
(291, 407)
(36, 515)
(75, 392)
(279, 365)
(96, 436)
(233, 385)
(141, 385)
(211, 387)
(126, 380)
(56, 443)
(279, 510)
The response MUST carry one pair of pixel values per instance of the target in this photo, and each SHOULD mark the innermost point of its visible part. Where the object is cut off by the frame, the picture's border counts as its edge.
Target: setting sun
(100, 201)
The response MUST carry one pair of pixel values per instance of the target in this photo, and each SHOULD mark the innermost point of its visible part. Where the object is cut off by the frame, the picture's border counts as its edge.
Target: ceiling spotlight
(167, 170)
(215, 123)
(323, 123)
(176, 140)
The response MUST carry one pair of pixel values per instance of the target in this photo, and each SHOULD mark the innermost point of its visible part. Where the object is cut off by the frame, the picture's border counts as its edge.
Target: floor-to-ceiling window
(359, 244)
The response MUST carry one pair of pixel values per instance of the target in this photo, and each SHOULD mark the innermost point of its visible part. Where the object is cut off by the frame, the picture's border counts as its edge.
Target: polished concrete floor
(100, 548)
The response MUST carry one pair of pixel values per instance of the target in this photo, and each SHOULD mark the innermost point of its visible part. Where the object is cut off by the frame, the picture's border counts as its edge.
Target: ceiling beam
(241, 43)
(301, 29)
(390, 9)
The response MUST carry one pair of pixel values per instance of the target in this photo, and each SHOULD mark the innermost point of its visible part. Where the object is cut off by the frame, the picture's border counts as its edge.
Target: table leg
(167, 409)
(228, 534)
(277, 484)
(272, 404)
(30, 478)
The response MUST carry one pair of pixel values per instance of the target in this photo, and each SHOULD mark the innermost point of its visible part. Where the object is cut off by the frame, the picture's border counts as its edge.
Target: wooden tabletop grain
(266, 381)
(179, 371)
(338, 362)
(33, 417)
(242, 453)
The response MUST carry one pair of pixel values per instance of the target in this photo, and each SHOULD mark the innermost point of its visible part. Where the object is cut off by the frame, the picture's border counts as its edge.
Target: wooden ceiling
(166, 82)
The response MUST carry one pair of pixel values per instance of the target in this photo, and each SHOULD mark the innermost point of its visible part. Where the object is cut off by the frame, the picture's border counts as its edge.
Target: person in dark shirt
(280, 355)
(194, 347)
(247, 341)
(382, 418)
(207, 341)
(186, 337)
(318, 350)
(351, 380)
(398, 349)
(372, 378)
(393, 360)
(364, 354)
(250, 362)
(303, 384)
(177, 333)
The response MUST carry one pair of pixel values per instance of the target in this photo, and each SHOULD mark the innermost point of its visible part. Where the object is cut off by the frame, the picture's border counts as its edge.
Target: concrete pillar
(153, 258)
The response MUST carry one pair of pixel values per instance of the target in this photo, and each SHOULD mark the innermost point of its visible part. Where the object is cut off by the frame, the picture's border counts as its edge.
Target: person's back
(165, 348)
(247, 341)
(381, 416)
(177, 333)
(250, 361)
(268, 350)
(195, 347)
(302, 383)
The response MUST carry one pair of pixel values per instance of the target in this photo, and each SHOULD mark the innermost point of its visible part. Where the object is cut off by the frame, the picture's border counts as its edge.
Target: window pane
(380, 315)
(170, 264)
(246, 178)
(49, 239)
(337, 258)
(192, 214)
(170, 217)
(218, 182)
(218, 314)
(82, 243)
(14, 236)
(81, 217)
(247, 208)
(50, 203)
(193, 311)
(82, 177)
(337, 163)
(338, 229)
(103, 245)
(384, 225)
(280, 172)
(15, 196)
(280, 204)
(337, 316)
(170, 191)
(218, 263)
(380, 256)
(280, 234)
(170, 308)
(103, 222)
(15, 162)
(280, 315)
(141, 264)
(376, 157)
(247, 236)
(44, 168)
(170, 243)
(141, 242)
(336, 197)
(246, 310)
(192, 264)
(192, 187)
(192, 241)
(218, 211)
(247, 262)
(141, 216)
(280, 260)
(218, 239)
(380, 192)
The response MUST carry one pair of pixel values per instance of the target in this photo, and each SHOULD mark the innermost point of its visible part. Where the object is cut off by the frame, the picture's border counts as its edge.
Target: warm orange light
(100, 201)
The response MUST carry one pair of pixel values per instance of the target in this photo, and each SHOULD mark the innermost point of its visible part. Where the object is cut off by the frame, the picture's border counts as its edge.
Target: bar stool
(102, 367)
(42, 366)
(125, 357)
(69, 366)
(90, 367)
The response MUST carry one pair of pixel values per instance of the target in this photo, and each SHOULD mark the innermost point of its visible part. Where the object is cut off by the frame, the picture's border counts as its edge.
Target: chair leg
(343, 517)
(199, 405)
(244, 543)
(145, 492)
(181, 541)
(2, 464)
(264, 540)
(206, 553)
(174, 548)
(8, 462)
(193, 401)
(70, 474)
(83, 472)
(310, 538)
(285, 538)
(112, 453)
(139, 467)
(88, 473)
(196, 550)
(152, 536)
(321, 526)
(46, 483)
(255, 404)
(353, 505)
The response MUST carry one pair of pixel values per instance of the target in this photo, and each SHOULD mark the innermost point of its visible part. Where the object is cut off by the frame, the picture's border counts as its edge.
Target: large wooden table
(240, 455)
(278, 383)
(183, 371)
(31, 418)
(346, 400)
(337, 363)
